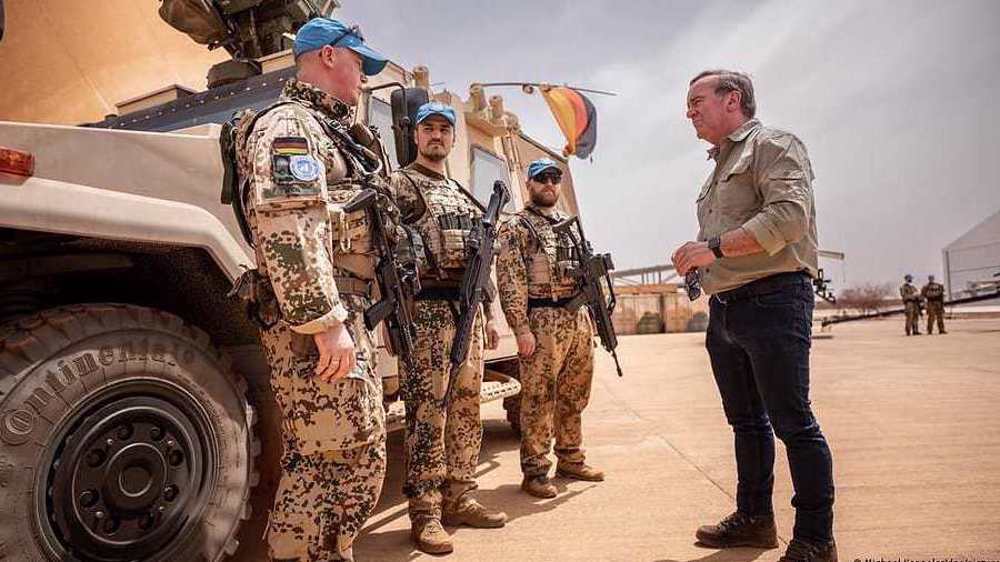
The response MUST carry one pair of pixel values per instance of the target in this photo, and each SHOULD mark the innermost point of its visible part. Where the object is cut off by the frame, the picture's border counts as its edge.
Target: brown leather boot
(539, 486)
(739, 529)
(430, 537)
(580, 471)
(467, 511)
(802, 551)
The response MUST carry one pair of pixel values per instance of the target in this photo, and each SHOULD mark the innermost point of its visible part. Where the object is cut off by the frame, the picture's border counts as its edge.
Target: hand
(492, 335)
(336, 353)
(692, 255)
(526, 344)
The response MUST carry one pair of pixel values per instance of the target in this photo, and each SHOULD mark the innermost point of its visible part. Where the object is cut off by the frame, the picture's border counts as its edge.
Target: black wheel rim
(131, 472)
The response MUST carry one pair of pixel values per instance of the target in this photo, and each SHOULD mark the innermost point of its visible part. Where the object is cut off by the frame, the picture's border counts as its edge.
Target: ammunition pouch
(258, 296)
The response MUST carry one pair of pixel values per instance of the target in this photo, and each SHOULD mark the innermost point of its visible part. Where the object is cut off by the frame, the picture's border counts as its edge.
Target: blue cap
(432, 108)
(540, 165)
(319, 32)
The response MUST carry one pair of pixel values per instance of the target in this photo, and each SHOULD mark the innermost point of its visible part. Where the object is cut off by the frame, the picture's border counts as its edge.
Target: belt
(549, 303)
(438, 294)
(353, 286)
(764, 286)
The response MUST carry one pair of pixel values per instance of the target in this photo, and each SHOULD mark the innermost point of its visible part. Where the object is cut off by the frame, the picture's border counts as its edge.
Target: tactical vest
(445, 224)
(909, 292)
(350, 242)
(934, 291)
(552, 258)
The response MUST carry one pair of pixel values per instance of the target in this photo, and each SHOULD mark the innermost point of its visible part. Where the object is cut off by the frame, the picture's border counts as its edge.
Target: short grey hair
(733, 81)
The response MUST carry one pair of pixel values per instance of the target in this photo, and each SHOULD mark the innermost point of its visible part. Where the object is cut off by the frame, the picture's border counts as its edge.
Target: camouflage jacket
(534, 263)
(933, 292)
(442, 213)
(299, 181)
(908, 292)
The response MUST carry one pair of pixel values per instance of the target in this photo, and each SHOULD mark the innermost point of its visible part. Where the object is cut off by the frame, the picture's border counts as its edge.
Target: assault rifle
(397, 278)
(476, 280)
(593, 268)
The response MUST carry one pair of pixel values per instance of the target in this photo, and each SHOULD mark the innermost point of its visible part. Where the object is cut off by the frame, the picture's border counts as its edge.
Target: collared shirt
(762, 182)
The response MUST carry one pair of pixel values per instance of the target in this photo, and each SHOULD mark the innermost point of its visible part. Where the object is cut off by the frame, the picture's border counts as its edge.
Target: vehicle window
(486, 169)
(380, 115)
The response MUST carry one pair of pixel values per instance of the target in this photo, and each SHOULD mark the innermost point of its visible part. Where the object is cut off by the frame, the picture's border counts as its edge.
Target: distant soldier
(442, 445)
(911, 301)
(315, 276)
(555, 343)
(933, 293)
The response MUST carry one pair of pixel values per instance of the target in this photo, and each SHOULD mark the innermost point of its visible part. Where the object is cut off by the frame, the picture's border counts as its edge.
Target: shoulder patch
(304, 167)
(289, 146)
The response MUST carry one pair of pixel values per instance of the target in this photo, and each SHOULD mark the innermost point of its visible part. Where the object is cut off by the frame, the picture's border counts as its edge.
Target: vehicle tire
(124, 435)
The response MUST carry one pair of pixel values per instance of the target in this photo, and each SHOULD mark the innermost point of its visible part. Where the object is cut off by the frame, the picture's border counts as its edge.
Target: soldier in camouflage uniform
(933, 294)
(911, 301)
(555, 343)
(315, 266)
(442, 445)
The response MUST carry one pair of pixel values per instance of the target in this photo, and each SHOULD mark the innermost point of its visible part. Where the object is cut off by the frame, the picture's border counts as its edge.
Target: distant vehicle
(136, 422)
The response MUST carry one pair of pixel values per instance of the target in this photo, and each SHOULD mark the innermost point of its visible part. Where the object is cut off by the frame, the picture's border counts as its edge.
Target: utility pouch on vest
(258, 296)
(351, 231)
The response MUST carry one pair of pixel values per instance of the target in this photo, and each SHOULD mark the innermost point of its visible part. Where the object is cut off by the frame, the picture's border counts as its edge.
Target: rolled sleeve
(785, 187)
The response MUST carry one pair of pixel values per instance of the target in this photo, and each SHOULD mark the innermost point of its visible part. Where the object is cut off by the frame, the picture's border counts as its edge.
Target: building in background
(972, 259)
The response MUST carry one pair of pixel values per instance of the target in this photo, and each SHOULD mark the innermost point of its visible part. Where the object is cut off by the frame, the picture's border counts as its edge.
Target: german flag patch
(290, 146)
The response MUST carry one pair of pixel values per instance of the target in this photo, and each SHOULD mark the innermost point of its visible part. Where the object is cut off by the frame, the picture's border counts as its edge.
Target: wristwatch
(715, 244)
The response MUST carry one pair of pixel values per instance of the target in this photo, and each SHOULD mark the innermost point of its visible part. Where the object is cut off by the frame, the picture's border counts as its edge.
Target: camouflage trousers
(912, 318)
(442, 446)
(935, 313)
(333, 434)
(555, 388)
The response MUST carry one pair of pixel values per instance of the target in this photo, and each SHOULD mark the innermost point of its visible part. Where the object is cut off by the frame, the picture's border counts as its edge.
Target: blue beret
(540, 165)
(319, 32)
(436, 108)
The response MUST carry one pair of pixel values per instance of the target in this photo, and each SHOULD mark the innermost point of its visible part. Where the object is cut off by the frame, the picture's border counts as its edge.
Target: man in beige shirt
(756, 255)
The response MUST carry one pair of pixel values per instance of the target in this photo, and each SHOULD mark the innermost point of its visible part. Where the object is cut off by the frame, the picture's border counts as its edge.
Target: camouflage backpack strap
(418, 212)
(468, 194)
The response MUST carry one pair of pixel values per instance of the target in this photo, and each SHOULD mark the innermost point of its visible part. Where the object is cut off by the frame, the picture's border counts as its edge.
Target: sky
(894, 100)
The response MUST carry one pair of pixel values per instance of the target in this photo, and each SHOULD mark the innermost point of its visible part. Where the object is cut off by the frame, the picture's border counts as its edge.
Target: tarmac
(912, 421)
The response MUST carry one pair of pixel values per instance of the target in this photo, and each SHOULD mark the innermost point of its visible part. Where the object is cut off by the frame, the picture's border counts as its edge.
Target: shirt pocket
(736, 194)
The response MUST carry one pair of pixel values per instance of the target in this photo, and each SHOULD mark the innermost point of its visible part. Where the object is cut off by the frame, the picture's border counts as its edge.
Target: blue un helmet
(319, 32)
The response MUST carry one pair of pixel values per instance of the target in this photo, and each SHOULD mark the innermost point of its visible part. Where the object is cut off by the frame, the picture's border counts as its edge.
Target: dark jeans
(758, 341)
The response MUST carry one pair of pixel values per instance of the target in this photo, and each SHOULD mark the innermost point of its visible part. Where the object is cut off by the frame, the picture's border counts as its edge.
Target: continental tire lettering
(158, 353)
(107, 355)
(127, 351)
(16, 426)
(38, 400)
(66, 370)
(85, 365)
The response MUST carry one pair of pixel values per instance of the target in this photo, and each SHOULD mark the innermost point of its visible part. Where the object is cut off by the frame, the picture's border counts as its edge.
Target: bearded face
(544, 189)
(434, 137)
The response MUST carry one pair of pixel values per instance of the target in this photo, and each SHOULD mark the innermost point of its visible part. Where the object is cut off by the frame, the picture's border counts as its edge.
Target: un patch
(304, 168)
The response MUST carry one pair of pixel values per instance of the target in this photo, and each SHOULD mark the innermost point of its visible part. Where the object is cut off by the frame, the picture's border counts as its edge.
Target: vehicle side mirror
(405, 102)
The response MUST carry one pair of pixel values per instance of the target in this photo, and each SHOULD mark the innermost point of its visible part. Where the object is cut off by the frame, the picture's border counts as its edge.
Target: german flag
(576, 117)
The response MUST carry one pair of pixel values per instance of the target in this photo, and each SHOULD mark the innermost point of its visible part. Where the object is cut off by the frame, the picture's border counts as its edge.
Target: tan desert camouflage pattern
(442, 447)
(424, 197)
(333, 461)
(933, 293)
(911, 301)
(530, 249)
(556, 378)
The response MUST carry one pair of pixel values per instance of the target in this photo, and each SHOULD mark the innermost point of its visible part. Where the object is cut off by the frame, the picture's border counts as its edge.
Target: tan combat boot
(430, 537)
(467, 511)
(539, 486)
(580, 471)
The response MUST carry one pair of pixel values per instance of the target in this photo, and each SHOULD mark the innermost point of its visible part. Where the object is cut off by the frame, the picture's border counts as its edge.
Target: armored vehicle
(136, 421)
